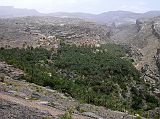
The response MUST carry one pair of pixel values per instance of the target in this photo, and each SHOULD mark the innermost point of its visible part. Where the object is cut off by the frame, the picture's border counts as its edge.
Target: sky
(87, 6)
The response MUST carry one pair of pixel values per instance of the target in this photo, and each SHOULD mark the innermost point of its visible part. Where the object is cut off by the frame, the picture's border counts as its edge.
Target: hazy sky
(89, 6)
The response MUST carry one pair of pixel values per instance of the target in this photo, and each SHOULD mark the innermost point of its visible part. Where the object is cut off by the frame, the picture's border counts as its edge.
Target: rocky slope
(147, 39)
(144, 41)
(11, 110)
(47, 31)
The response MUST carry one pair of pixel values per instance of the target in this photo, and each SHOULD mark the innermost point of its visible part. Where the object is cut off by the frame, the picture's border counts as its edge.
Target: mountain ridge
(117, 17)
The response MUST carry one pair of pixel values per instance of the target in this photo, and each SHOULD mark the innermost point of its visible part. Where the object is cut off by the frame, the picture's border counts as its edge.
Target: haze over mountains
(119, 17)
(9, 11)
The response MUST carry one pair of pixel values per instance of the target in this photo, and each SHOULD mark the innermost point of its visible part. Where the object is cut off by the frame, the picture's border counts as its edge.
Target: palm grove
(98, 75)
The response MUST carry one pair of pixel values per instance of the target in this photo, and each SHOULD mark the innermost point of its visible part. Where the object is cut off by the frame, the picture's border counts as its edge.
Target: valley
(79, 66)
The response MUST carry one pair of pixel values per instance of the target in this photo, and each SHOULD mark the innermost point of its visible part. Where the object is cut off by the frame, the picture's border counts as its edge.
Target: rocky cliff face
(156, 27)
(158, 60)
(148, 40)
(144, 39)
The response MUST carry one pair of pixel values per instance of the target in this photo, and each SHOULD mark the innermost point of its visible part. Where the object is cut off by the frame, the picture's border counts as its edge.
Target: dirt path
(33, 104)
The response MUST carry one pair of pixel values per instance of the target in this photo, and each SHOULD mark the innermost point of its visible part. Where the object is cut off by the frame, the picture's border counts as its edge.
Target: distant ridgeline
(101, 75)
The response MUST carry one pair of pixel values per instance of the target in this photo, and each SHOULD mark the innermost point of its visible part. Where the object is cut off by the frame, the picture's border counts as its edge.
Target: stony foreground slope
(10, 110)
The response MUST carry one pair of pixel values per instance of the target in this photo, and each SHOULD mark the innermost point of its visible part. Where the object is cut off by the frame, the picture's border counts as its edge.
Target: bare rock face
(9, 110)
(156, 27)
(135, 53)
(144, 40)
(147, 39)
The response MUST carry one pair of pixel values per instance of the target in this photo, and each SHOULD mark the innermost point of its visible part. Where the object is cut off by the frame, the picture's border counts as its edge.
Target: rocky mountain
(117, 17)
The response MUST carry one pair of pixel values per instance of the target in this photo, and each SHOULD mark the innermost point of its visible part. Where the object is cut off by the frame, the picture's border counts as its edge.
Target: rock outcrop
(10, 71)
(158, 60)
(144, 39)
(9, 110)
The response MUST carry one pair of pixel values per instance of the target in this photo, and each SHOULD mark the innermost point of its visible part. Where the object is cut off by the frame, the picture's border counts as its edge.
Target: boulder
(35, 96)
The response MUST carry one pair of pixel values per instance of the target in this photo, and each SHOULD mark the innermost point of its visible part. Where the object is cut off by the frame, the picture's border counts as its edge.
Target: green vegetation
(101, 76)
(67, 115)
